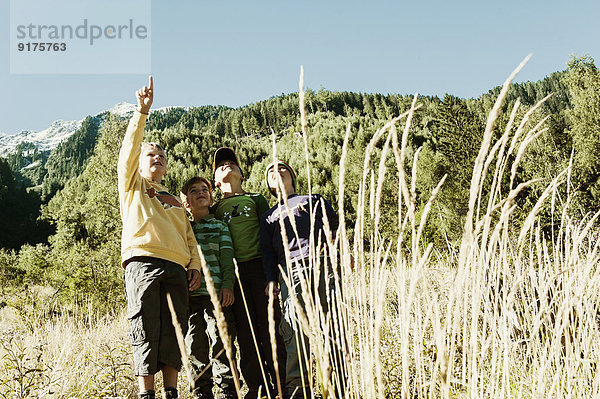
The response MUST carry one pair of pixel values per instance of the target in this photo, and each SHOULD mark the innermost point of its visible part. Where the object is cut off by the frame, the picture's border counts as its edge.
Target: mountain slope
(58, 131)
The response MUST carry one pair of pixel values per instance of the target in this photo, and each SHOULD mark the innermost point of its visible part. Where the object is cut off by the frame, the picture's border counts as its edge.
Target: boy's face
(153, 163)
(198, 197)
(281, 172)
(227, 171)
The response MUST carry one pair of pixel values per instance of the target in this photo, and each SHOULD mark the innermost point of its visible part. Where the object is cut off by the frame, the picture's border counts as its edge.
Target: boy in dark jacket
(297, 239)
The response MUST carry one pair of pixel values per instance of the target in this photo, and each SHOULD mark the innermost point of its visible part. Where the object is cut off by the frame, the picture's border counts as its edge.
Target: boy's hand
(272, 287)
(226, 297)
(145, 96)
(194, 279)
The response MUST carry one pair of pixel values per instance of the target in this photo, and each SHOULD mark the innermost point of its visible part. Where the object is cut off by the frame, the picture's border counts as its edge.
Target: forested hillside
(77, 181)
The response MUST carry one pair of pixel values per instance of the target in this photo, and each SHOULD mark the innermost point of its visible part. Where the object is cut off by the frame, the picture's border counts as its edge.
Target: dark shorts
(151, 331)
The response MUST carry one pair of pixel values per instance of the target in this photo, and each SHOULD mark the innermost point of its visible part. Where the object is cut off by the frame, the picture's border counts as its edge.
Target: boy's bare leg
(170, 376)
(146, 382)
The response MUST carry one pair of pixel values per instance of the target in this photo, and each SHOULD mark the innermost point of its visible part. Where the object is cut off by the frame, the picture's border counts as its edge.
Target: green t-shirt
(242, 214)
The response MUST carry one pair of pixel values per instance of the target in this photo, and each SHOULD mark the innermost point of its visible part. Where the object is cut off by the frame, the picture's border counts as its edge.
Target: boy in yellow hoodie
(159, 254)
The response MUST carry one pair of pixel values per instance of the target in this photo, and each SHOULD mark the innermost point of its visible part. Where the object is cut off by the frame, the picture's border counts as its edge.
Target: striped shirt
(214, 242)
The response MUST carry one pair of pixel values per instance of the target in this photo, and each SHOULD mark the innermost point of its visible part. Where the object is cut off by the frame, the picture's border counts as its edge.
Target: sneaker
(171, 393)
(226, 394)
(253, 393)
(149, 394)
(198, 394)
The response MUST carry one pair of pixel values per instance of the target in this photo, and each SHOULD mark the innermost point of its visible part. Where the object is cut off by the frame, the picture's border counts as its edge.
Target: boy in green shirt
(242, 212)
(215, 243)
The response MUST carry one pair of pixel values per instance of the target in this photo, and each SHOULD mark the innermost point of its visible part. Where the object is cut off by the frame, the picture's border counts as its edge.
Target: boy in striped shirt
(215, 243)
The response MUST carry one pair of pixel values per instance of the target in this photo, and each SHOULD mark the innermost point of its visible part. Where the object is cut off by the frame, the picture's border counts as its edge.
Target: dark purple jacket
(271, 239)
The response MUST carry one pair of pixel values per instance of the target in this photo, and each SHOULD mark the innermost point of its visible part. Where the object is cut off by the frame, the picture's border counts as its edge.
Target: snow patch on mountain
(32, 165)
(59, 130)
(126, 109)
(122, 109)
(46, 139)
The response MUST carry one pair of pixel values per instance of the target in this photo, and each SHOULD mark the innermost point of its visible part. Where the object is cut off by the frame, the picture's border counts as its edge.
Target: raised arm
(145, 95)
(130, 149)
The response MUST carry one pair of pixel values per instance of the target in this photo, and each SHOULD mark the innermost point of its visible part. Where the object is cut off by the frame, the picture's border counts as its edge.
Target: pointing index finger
(150, 83)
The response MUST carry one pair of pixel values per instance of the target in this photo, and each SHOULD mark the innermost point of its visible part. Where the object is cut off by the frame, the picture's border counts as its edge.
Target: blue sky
(235, 53)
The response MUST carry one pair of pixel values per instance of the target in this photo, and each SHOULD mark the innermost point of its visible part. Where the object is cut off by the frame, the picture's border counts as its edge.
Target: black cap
(225, 154)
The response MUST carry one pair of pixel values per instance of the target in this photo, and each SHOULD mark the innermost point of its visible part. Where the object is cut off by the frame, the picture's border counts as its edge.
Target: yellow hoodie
(154, 221)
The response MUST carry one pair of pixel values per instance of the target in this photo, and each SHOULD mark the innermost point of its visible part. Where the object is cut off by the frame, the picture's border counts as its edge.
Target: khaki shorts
(151, 331)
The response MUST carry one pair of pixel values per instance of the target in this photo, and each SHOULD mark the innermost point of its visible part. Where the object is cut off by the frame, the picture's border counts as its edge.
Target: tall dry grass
(512, 313)
(64, 352)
